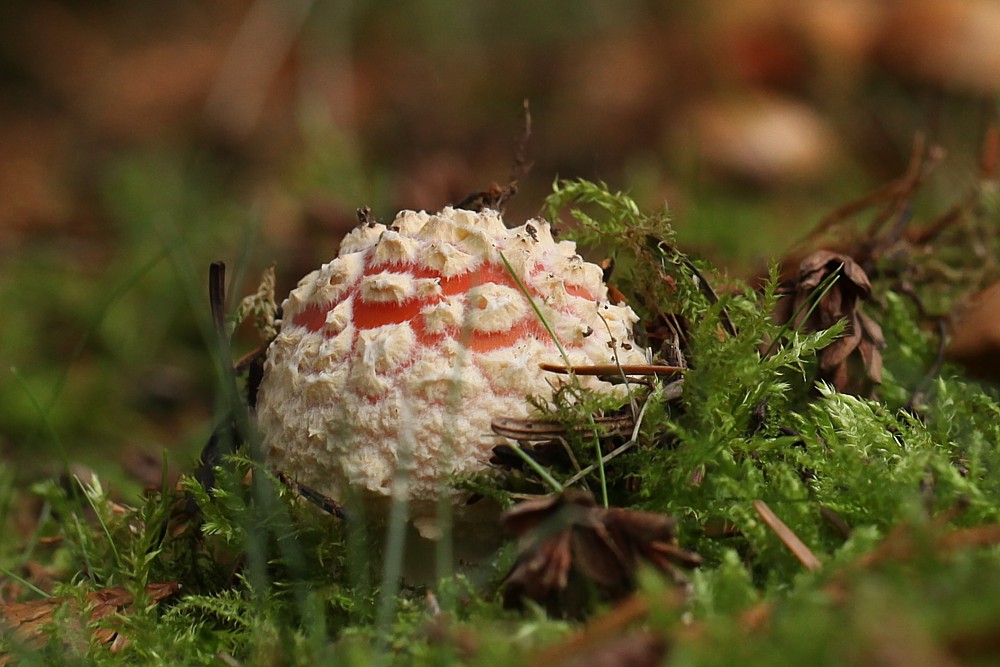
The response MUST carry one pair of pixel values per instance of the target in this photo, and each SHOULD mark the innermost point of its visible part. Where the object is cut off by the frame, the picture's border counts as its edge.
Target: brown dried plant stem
(613, 369)
(788, 537)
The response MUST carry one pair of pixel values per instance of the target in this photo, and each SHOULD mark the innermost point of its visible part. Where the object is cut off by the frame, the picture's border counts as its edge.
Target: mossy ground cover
(895, 494)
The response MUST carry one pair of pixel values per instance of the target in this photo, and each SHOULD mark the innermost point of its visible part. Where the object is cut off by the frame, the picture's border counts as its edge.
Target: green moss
(269, 579)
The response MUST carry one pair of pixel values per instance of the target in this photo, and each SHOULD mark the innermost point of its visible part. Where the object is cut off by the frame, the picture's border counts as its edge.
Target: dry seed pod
(862, 340)
(567, 543)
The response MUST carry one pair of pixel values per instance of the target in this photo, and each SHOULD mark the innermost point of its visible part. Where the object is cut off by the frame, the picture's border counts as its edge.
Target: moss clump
(896, 495)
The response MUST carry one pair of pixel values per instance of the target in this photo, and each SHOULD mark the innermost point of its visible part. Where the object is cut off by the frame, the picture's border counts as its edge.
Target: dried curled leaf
(569, 546)
(975, 335)
(862, 342)
(29, 621)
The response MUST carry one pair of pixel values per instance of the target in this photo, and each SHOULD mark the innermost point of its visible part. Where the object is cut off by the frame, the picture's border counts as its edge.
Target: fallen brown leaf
(29, 621)
(975, 336)
(766, 139)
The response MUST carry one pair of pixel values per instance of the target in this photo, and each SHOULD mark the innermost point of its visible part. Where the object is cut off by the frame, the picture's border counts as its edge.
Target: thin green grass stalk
(153, 537)
(47, 423)
(43, 415)
(569, 368)
(590, 417)
(617, 451)
(569, 454)
(538, 312)
(82, 536)
(538, 468)
(118, 292)
(8, 496)
(621, 449)
(100, 519)
(395, 547)
(444, 546)
(821, 291)
(24, 582)
(264, 493)
(600, 460)
(621, 371)
(357, 557)
(444, 552)
(165, 487)
(265, 498)
(244, 260)
(392, 566)
(29, 550)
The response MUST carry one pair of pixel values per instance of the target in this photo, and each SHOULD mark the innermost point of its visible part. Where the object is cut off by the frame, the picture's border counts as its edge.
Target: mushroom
(397, 355)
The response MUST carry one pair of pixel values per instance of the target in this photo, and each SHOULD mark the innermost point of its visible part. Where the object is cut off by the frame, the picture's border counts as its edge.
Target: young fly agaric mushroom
(402, 350)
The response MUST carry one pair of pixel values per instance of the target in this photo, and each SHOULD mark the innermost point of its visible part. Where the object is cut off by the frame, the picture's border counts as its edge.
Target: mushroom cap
(398, 354)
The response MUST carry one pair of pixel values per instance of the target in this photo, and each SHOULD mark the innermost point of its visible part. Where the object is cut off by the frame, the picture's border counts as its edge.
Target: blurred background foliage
(141, 141)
